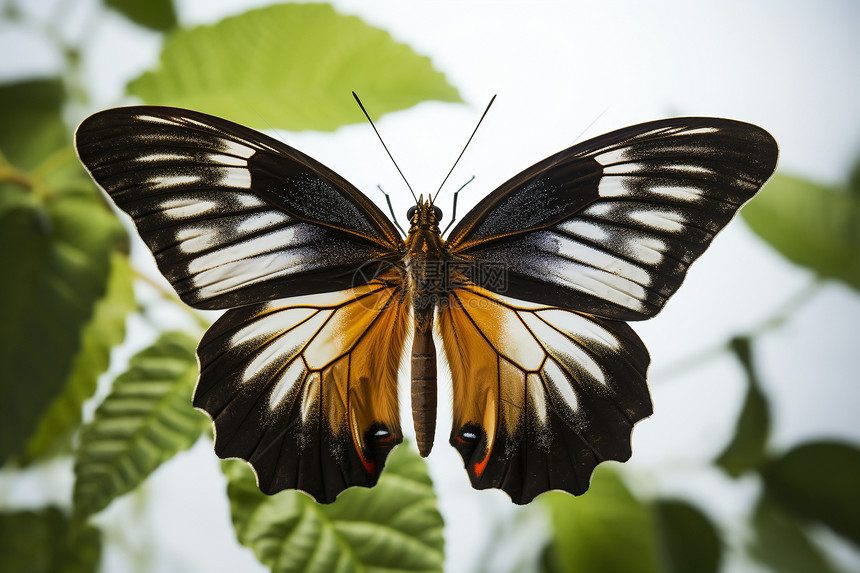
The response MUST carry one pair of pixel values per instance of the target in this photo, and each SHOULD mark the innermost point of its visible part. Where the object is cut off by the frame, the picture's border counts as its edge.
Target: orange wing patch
(305, 388)
(541, 394)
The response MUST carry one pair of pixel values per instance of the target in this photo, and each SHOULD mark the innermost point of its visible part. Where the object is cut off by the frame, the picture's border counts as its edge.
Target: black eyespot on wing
(379, 440)
(469, 434)
(471, 442)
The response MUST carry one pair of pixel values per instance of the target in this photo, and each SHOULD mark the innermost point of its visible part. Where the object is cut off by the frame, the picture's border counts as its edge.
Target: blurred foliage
(69, 294)
(746, 450)
(62, 240)
(154, 14)
(782, 543)
(819, 482)
(394, 526)
(31, 122)
(812, 225)
(610, 530)
(590, 531)
(688, 540)
(45, 541)
(104, 330)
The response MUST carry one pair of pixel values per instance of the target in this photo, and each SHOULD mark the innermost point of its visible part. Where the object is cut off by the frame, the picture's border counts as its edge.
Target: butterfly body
(528, 293)
(424, 263)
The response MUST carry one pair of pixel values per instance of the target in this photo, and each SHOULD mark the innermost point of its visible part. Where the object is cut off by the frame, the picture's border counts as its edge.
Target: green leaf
(394, 526)
(747, 449)
(819, 482)
(155, 14)
(31, 123)
(290, 66)
(44, 542)
(854, 179)
(56, 261)
(811, 225)
(780, 542)
(689, 542)
(145, 420)
(605, 529)
(105, 330)
(549, 560)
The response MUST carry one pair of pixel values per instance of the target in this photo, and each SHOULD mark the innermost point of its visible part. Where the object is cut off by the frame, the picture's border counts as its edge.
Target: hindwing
(541, 394)
(305, 388)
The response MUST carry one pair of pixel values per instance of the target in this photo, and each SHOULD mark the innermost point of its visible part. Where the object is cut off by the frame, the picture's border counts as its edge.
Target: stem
(787, 308)
(34, 182)
(173, 297)
(776, 320)
(55, 161)
(8, 174)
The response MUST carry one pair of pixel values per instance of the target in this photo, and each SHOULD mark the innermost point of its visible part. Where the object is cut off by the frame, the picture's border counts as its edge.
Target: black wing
(610, 226)
(232, 216)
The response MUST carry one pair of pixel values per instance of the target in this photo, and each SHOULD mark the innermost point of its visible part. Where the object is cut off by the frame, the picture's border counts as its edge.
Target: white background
(559, 68)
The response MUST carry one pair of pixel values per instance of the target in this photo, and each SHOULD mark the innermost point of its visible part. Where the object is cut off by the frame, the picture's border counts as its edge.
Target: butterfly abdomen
(424, 262)
(424, 380)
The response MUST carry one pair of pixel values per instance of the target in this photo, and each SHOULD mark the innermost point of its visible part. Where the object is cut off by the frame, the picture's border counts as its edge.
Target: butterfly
(530, 293)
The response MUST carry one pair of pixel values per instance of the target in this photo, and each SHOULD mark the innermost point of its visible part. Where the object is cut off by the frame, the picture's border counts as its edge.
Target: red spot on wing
(480, 466)
(369, 465)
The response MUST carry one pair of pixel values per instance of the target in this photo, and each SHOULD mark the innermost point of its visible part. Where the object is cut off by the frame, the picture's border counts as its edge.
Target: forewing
(541, 394)
(610, 226)
(232, 216)
(305, 388)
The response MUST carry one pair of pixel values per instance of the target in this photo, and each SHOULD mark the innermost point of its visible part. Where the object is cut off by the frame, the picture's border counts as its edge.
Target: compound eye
(411, 212)
(437, 212)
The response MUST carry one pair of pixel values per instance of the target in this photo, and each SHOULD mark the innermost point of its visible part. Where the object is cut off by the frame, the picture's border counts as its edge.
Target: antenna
(384, 146)
(464, 149)
(587, 127)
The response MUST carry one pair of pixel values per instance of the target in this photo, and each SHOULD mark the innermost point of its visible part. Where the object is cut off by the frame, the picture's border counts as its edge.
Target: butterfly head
(424, 215)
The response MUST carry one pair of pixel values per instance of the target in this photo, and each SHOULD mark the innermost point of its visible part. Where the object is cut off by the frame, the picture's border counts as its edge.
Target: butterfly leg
(391, 209)
(454, 206)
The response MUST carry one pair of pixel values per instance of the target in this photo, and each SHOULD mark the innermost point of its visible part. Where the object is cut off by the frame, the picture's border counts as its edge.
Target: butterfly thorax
(425, 255)
(424, 262)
